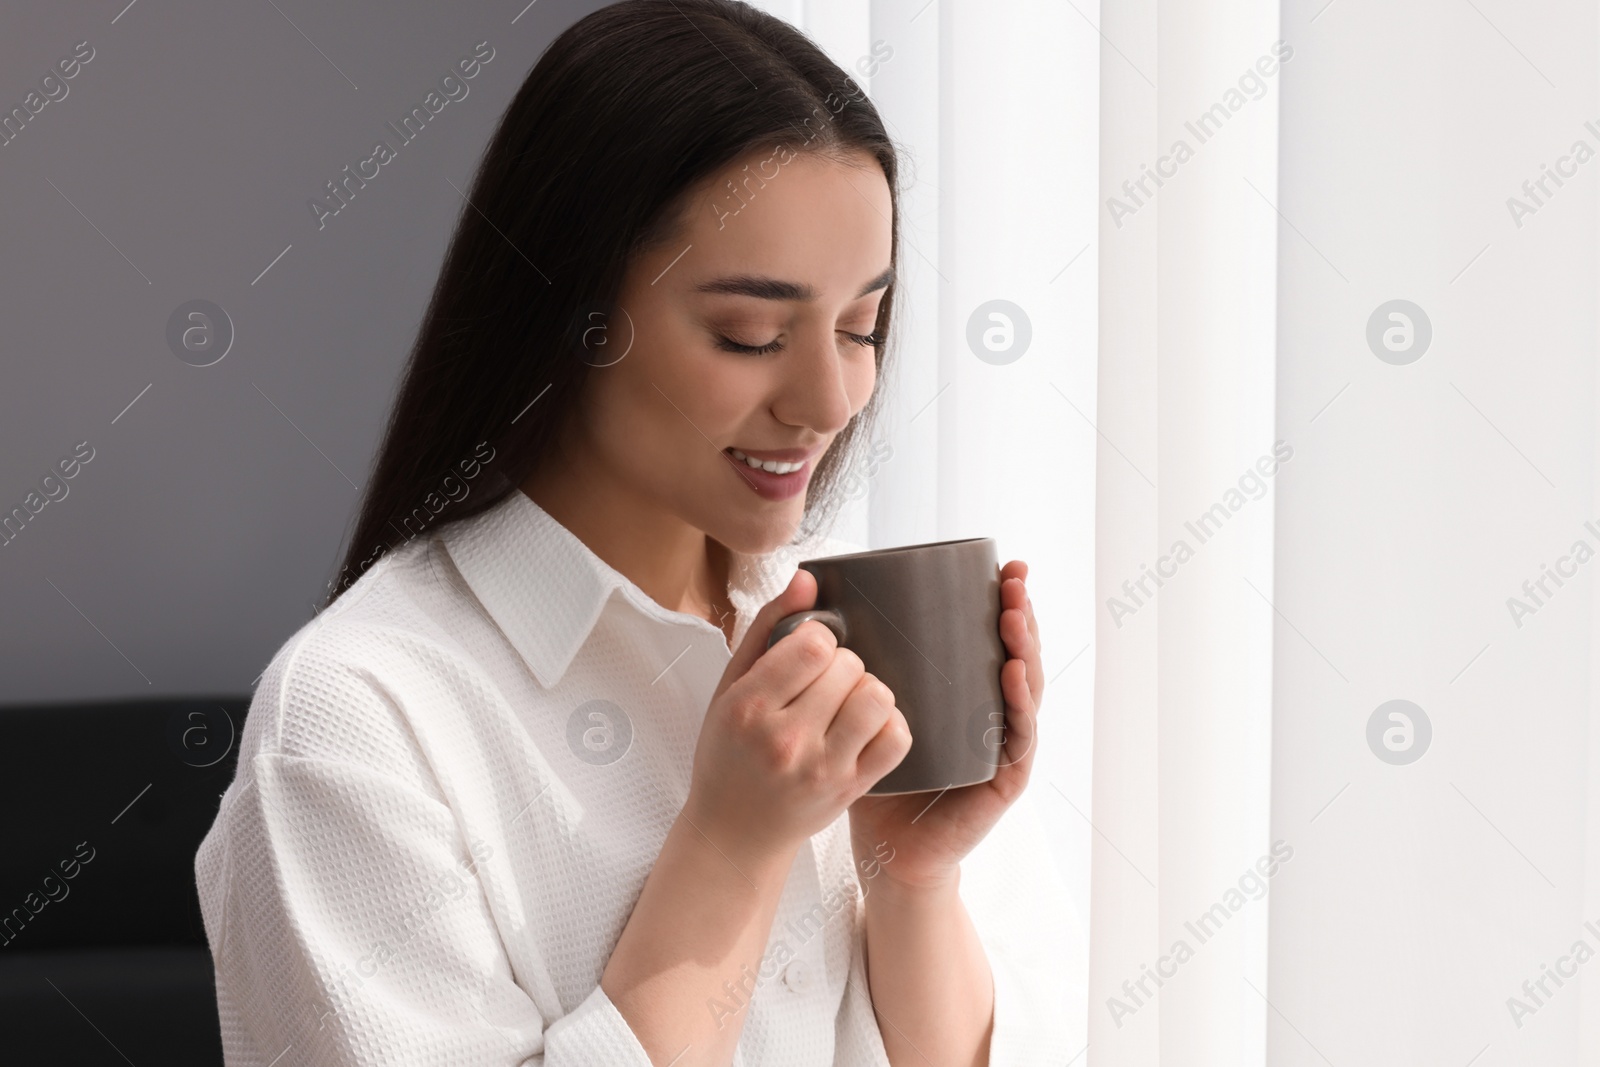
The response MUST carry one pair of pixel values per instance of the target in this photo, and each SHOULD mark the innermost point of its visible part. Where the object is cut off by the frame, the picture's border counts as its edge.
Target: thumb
(799, 595)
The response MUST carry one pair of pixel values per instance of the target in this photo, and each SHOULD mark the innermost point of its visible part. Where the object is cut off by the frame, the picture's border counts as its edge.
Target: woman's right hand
(793, 735)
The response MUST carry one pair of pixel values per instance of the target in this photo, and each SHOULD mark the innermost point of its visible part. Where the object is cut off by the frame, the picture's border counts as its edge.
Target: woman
(531, 789)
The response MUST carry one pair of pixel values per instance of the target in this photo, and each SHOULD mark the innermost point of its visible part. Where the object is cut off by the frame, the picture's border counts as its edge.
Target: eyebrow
(772, 289)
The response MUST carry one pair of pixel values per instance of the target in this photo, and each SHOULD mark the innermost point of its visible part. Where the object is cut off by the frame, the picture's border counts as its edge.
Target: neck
(675, 564)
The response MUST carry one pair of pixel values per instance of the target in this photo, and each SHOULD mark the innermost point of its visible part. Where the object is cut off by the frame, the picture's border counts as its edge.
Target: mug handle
(828, 617)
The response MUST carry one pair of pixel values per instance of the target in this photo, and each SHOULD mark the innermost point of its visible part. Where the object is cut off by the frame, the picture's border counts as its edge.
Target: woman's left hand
(917, 840)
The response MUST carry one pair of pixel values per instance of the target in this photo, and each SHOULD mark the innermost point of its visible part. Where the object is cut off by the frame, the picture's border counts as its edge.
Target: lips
(771, 486)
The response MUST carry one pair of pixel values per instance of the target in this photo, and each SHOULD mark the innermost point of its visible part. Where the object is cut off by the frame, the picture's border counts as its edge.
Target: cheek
(725, 395)
(718, 392)
(665, 411)
(625, 420)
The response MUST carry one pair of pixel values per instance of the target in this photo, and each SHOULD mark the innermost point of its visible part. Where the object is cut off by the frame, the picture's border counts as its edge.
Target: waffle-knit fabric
(434, 837)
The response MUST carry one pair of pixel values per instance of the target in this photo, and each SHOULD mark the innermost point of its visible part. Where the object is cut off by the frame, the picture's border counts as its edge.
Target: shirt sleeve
(1014, 892)
(349, 926)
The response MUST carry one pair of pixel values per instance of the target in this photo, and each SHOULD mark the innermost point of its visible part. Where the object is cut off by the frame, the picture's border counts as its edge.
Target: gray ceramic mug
(925, 619)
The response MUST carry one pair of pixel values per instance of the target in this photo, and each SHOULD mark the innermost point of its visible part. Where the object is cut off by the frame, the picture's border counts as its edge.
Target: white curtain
(1182, 735)
(1430, 482)
(994, 106)
(1343, 770)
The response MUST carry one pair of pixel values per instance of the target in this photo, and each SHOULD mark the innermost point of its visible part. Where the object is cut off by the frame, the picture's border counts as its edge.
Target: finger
(862, 715)
(1017, 569)
(1022, 645)
(1033, 623)
(1014, 594)
(805, 677)
(1021, 735)
(1020, 640)
(818, 705)
(799, 595)
(884, 752)
(1014, 631)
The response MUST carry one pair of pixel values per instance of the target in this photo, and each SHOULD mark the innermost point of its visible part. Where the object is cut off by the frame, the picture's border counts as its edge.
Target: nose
(815, 386)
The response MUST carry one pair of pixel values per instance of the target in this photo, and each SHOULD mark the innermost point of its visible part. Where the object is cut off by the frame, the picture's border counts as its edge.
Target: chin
(758, 533)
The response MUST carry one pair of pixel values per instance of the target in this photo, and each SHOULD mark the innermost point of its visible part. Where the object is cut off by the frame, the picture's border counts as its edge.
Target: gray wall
(177, 166)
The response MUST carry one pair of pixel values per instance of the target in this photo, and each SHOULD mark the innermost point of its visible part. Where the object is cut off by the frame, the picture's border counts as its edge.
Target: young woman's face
(750, 331)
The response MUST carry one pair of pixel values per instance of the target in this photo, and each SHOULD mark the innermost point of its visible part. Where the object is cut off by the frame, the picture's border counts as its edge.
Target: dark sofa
(103, 956)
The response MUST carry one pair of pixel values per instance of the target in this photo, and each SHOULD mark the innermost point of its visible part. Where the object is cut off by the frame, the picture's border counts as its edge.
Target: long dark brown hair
(625, 111)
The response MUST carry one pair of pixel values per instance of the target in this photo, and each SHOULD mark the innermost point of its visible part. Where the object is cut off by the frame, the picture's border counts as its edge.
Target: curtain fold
(1186, 470)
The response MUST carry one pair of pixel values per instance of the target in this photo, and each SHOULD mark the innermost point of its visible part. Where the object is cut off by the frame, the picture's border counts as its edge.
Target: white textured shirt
(451, 786)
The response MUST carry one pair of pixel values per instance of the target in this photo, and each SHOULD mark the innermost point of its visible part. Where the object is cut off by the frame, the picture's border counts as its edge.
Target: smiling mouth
(788, 480)
(770, 466)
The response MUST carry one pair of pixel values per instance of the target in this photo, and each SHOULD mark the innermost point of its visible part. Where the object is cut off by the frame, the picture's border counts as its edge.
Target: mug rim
(875, 552)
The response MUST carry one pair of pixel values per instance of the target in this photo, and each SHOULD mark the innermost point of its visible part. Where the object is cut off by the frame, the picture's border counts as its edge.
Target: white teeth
(768, 465)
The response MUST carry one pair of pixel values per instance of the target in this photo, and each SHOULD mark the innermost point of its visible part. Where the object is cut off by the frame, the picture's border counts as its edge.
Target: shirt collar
(545, 589)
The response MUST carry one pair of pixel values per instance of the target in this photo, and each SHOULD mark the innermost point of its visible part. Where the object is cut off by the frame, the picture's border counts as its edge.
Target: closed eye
(727, 344)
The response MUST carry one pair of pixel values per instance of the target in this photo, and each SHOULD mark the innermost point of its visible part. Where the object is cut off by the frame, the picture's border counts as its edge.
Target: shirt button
(797, 976)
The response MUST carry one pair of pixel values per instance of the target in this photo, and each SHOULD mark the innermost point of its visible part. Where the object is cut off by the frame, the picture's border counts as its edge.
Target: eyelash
(727, 344)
